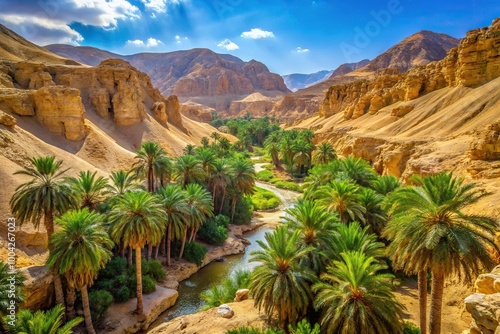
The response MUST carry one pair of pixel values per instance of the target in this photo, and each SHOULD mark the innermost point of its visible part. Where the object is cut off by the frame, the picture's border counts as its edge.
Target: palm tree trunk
(163, 245)
(58, 287)
(193, 233)
(140, 307)
(86, 310)
(422, 300)
(169, 239)
(150, 251)
(233, 208)
(48, 222)
(157, 251)
(70, 301)
(183, 243)
(129, 257)
(436, 301)
(122, 250)
(222, 201)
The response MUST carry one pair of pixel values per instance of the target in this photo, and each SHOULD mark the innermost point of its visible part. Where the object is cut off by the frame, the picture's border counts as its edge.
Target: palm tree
(44, 322)
(314, 225)
(122, 182)
(150, 158)
(207, 158)
(215, 136)
(88, 189)
(164, 171)
(273, 149)
(358, 170)
(374, 217)
(45, 195)
(78, 250)
(243, 180)
(188, 169)
(279, 283)
(224, 144)
(189, 149)
(385, 184)
(302, 155)
(219, 180)
(138, 218)
(353, 238)
(199, 207)
(174, 203)
(342, 197)
(204, 141)
(429, 230)
(324, 153)
(354, 297)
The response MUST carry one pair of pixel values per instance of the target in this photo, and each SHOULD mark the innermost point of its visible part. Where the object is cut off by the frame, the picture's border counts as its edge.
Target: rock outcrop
(61, 110)
(475, 62)
(484, 305)
(487, 144)
(39, 287)
(6, 119)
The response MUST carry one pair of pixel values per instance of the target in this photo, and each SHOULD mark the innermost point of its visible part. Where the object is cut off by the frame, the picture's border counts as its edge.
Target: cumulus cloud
(159, 6)
(49, 21)
(149, 43)
(228, 45)
(301, 50)
(257, 33)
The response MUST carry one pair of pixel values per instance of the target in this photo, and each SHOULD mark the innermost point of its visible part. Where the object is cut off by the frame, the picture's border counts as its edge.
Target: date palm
(79, 250)
(354, 297)
(358, 170)
(342, 197)
(440, 236)
(243, 180)
(218, 181)
(6, 275)
(199, 207)
(279, 282)
(45, 196)
(302, 154)
(188, 169)
(174, 203)
(44, 322)
(121, 182)
(88, 189)
(314, 225)
(150, 158)
(324, 153)
(207, 158)
(374, 217)
(189, 149)
(136, 219)
(385, 184)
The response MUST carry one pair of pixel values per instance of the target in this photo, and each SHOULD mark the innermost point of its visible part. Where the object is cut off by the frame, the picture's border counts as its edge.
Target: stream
(215, 272)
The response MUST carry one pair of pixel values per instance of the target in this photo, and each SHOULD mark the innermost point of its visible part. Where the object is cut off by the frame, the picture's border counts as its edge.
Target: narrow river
(214, 273)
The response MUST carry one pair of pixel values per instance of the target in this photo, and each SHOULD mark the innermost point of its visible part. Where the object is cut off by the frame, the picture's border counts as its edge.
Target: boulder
(160, 112)
(241, 294)
(225, 311)
(17, 101)
(39, 288)
(486, 145)
(6, 119)
(61, 110)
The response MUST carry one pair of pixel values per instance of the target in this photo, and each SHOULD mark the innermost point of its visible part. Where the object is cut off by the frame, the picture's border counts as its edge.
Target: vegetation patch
(214, 230)
(264, 199)
(264, 175)
(288, 185)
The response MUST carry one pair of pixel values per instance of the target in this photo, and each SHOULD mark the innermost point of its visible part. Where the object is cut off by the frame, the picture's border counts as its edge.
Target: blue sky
(295, 36)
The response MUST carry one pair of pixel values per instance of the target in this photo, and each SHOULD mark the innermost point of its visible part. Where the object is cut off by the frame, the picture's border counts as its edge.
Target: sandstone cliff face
(475, 62)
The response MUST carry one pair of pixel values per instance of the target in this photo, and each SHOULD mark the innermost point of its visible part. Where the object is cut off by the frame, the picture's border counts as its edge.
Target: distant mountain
(348, 68)
(200, 75)
(298, 81)
(418, 49)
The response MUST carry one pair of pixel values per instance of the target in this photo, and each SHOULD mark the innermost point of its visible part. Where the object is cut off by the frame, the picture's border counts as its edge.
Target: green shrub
(100, 300)
(264, 175)
(410, 328)
(155, 270)
(264, 199)
(195, 252)
(243, 211)
(252, 330)
(288, 185)
(304, 327)
(275, 179)
(116, 265)
(214, 230)
(122, 294)
(225, 292)
(148, 284)
(268, 167)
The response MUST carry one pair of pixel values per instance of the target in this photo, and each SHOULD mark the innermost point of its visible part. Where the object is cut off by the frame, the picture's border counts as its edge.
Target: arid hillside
(92, 118)
(441, 116)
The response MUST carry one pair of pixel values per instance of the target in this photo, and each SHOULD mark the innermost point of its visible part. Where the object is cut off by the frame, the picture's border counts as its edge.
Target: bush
(264, 175)
(122, 294)
(410, 328)
(148, 284)
(100, 300)
(268, 167)
(195, 252)
(304, 327)
(243, 211)
(264, 199)
(117, 265)
(225, 292)
(214, 230)
(288, 185)
(155, 270)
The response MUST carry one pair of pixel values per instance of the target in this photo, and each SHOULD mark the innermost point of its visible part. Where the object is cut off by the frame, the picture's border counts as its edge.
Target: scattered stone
(6, 119)
(241, 294)
(225, 311)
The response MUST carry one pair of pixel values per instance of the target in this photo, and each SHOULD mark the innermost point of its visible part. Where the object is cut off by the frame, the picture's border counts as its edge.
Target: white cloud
(179, 39)
(150, 43)
(46, 22)
(301, 50)
(257, 33)
(228, 45)
(159, 6)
